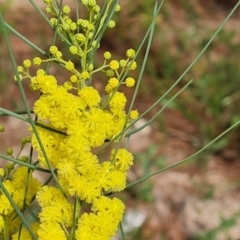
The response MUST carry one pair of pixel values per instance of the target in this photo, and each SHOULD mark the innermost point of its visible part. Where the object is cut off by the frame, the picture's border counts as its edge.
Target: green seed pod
(9, 151)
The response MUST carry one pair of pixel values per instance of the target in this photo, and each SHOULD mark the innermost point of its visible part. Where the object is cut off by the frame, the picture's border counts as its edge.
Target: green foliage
(211, 101)
(215, 87)
(146, 162)
(225, 225)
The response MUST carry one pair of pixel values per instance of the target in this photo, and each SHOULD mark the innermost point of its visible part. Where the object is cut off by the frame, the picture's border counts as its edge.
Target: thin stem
(21, 163)
(47, 20)
(6, 228)
(151, 32)
(193, 62)
(184, 73)
(23, 219)
(186, 159)
(25, 39)
(76, 214)
(160, 111)
(5, 112)
(121, 231)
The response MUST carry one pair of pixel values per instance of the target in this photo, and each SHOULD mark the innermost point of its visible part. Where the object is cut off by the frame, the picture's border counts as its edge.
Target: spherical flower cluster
(16, 187)
(133, 65)
(74, 78)
(130, 82)
(53, 50)
(20, 69)
(123, 63)
(114, 65)
(73, 50)
(111, 24)
(9, 151)
(73, 26)
(89, 3)
(113, 83)
(54, 21)
(134, 114)
(37, 61)
(66, 9)
(45, 83)
(122, 159)
(90, 96)
(83, 22)
(58, 54)
(103, 223)
(118, 8)
(130, 53)
(107, 55)
(56, 212)
(27, 63)
(68, 85)
(109, 73)
(85, 75)
(117, 102)
(69, 65)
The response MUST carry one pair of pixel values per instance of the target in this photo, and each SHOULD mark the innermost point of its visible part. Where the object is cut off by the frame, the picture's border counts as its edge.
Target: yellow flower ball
(27, 63)
(114, 64)
(74, 78)
(66, 9)
(37, 61)
(130, 53)
(114, 82)
(111, 24)
(130, 82)
(117, 8)
(134, 114)
(53, 50)
(69, 65)
(133, 65)
(107, 55)
(90, 96)
(20, 69)
(85, 75)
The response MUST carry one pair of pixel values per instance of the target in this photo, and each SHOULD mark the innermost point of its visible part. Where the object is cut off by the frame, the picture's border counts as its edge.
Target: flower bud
(9, 151)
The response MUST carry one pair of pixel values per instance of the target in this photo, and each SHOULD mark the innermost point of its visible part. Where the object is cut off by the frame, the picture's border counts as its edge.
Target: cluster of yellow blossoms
(15, 181)
(74, 121)
(86, 125)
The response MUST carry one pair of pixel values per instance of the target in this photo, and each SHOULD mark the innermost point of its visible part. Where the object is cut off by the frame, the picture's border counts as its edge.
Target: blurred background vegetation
(183, 28)
(208, 107)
